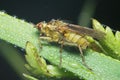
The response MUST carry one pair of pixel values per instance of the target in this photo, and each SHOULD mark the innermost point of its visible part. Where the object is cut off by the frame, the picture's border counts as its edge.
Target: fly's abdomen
(77, 39)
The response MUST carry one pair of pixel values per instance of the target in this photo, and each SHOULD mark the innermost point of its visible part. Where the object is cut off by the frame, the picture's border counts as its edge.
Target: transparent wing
(86, 31)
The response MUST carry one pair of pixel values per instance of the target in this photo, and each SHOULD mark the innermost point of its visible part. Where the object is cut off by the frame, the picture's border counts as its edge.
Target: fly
(70, 34)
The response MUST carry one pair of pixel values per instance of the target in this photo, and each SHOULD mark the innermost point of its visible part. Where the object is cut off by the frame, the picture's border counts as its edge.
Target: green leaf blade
(100, 68)
(111, 42)
(18, 32)
(9, 24)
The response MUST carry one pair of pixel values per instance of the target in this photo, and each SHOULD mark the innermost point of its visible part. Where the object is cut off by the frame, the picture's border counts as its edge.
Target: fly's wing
(86, 31)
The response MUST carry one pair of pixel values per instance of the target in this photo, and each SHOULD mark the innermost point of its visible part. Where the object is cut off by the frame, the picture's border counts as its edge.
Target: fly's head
(49, 30)
(41, 26)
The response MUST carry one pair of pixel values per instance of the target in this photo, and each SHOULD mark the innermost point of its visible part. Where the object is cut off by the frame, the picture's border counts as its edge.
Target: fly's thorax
(50, 31)
(55, 36)
(57, 23)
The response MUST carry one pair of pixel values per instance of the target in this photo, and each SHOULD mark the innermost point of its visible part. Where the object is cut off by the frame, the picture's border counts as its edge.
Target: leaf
(111, 43)
(28, 77)
(18, 32)
(38, 66)
(11, 32)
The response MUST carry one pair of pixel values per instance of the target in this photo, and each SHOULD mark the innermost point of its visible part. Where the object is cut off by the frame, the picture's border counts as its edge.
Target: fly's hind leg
(81, 54)
(83, 58)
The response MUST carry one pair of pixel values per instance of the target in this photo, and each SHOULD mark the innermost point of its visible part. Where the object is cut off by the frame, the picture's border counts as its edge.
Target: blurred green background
(74, 11)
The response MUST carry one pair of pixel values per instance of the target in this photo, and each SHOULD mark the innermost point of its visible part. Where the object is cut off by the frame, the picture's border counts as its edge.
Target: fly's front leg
(44, 38)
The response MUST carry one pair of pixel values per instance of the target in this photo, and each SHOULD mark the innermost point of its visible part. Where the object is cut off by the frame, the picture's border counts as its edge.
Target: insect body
(70, 34)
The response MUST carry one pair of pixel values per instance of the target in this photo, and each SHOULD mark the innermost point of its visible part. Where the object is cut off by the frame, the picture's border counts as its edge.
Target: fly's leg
(83, 58)
(60, 42)
(61, 47)
(40, 38)
(63, 42)
(40, 43)
(81, 54)
(44, 38)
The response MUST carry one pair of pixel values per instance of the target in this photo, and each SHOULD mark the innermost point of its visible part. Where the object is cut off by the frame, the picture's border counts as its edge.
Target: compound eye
(39, 25)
